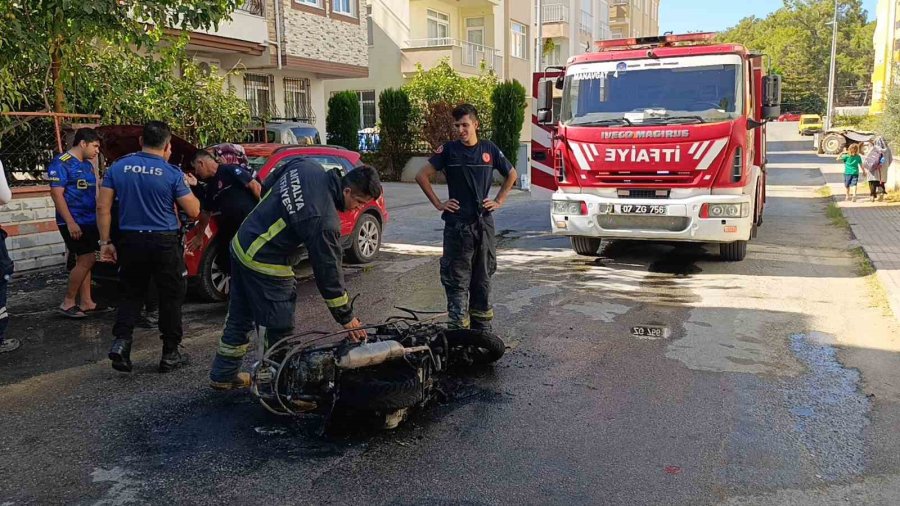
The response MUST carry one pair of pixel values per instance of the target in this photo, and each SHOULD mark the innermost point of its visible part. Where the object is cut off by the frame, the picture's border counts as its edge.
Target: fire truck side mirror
(771, 96)
(545, 101)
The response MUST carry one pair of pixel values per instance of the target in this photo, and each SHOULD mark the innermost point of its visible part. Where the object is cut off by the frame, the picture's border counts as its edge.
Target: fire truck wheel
(733, 251)
(386, 388)
(586, 246)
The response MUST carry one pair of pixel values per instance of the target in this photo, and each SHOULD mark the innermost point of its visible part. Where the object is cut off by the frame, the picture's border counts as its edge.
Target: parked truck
(655, 138)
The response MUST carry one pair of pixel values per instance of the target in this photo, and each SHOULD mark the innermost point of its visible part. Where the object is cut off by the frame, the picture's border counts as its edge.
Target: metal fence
(29, 140)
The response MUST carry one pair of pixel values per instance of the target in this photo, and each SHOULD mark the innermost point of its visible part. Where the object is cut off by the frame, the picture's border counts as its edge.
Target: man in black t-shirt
(470, 248)
(231, 193)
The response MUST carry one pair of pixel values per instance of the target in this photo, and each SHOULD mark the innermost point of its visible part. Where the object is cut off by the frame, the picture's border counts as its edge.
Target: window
(370, 26)
(345, 7)
(257, 91)
(297, 100)
(438, 28)
(311, 3)
(366, 107)
(519, 40)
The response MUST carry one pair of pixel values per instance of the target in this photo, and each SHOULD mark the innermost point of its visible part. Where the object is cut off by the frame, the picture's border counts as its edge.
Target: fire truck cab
(655, 138)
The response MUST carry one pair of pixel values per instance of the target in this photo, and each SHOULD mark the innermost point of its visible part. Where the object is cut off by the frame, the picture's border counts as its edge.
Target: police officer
(231, 193)
(148, 189)
(301, 209)
(73, 188)
(470, 249)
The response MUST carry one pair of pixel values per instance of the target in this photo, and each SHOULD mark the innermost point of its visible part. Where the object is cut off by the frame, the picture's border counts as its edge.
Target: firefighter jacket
(299, 209)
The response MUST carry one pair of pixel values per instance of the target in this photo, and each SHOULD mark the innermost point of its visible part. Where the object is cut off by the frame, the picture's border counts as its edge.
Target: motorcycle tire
(490, 348)
(385, 388)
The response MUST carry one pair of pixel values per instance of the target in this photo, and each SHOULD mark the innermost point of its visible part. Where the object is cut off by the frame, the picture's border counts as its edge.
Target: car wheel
(365, 240)
(214, 283)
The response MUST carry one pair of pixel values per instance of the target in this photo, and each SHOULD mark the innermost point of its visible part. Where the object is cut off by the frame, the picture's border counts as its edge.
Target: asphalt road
(779, 382)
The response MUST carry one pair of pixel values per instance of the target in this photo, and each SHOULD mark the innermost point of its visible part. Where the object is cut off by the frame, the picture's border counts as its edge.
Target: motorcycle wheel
(478, 346)
(384, 388)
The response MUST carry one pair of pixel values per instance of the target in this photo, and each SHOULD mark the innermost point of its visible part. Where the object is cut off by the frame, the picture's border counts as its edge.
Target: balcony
(464, 57)
(555, 13)
(255, 7)
(619, 2)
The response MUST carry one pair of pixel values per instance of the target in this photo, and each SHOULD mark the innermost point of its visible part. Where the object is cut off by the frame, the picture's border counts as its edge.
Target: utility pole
(831, 75)
(539, 46)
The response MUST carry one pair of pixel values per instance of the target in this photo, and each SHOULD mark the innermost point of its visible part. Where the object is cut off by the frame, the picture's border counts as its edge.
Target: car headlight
(566, 207)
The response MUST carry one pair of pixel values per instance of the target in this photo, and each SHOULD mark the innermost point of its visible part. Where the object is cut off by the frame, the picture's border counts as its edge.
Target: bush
(438, 125)
(394, 115)
(868, 122)
(342, 122)
(509, 116)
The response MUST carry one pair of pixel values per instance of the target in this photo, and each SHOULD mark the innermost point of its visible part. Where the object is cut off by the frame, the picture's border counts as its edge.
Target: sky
(682, 16)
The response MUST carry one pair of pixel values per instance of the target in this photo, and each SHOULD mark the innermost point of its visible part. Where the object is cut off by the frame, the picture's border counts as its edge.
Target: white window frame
(519, 47)
(439, 19)
(310, 3)
(370, 26)
(351, 6)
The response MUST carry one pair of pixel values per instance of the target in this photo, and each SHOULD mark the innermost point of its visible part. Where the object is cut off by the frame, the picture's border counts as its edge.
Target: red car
(360, 229)
(789, 116)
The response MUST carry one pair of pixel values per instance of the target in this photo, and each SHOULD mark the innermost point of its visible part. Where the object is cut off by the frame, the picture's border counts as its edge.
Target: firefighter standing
(470, 250)
(148, 188)
(300, 207)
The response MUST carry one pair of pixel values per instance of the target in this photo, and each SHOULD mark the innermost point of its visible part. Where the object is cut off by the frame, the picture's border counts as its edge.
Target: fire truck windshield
(653, 92)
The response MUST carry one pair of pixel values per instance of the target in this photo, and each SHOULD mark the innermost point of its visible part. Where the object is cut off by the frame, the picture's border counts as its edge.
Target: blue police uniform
(147, 188)
(300, 210)
(79, 184)
(470, 250)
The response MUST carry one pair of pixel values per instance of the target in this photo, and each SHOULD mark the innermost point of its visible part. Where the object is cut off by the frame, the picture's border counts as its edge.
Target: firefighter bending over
(299, 208)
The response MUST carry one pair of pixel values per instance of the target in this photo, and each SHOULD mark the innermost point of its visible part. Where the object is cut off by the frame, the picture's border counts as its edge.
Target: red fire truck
(655, 138)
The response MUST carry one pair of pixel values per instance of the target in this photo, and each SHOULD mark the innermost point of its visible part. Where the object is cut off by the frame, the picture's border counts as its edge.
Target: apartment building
(287, 51)
(886, 41)
(633, 18)
(401, 34)
(570, 27)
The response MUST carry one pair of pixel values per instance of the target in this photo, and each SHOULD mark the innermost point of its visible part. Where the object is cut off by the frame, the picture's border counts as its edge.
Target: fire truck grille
(640, 222)
(619, 177)
(643, 194)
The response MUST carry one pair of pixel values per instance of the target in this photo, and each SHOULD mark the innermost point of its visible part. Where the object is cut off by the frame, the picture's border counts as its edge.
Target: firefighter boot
(241, 380)
(120, 354)
(172, 360)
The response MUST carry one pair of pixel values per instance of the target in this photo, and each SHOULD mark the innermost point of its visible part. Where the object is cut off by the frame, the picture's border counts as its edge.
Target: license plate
(650, 331)
(640, 209)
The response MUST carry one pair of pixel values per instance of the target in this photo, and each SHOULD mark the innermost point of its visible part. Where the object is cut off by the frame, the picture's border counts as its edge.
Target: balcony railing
(555, 13)
(619, 2)
(468, 53)
(256, 7)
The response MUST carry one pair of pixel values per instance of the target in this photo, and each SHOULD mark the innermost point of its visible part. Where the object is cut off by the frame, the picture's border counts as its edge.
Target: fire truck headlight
(729, 210)
(566, 207)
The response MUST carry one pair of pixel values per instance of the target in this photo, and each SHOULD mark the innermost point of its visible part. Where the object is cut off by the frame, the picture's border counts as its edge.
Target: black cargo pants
(141, 256)
(468, 262)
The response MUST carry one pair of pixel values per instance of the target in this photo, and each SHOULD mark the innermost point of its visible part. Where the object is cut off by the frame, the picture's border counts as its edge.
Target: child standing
(852, 162)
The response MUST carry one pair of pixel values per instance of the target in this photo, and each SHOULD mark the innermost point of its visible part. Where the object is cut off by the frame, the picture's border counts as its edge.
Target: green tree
(47, 34)
(394, 115)
(442, 83)
(509, 116)
(797, 40)
(342, 122)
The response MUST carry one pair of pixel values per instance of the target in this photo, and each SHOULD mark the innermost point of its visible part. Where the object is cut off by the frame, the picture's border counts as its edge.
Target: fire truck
(655, 138)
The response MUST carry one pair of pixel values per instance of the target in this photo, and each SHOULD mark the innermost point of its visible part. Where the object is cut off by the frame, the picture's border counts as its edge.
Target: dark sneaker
(173, 360)
(8, 345)
(120, 354)
(240, 380)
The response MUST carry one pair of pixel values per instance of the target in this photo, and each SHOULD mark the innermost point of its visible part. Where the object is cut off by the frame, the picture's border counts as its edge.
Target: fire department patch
(221, 184)
(440, 149)
(486, 157)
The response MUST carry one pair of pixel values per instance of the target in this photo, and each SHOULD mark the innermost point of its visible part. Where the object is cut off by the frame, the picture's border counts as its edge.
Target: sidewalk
(876, 226)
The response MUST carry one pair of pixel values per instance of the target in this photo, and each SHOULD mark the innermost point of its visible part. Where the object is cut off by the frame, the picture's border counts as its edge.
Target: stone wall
(321, 34)
(30, 221)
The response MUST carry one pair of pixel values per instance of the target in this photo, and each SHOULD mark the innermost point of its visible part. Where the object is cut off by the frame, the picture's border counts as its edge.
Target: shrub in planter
(342, 121)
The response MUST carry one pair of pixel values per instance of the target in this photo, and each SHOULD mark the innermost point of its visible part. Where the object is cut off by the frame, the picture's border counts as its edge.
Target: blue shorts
(850, 180)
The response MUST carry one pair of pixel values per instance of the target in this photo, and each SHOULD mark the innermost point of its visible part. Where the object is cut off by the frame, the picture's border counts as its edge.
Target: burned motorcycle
(394, 369)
